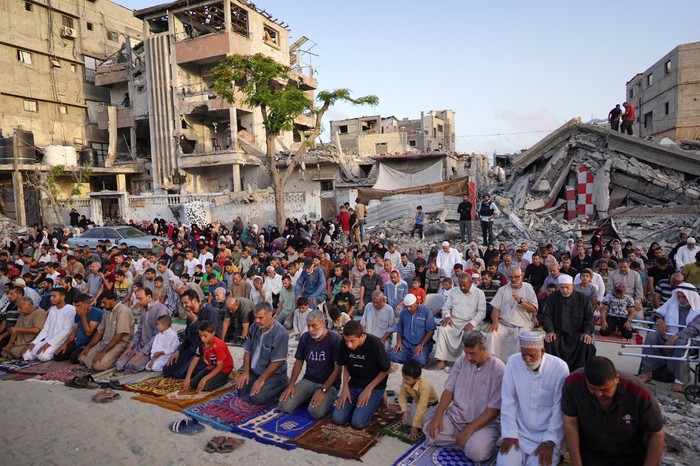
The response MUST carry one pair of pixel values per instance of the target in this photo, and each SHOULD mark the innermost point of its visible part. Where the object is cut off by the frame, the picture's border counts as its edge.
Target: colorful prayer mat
(16, 365)
(226, 411)
(344, 441)
(48, 367)
(401, 431)
(277, 428)
(66, 373)
(423, 454)
(17, 376)
(156, 386)
(184, 399)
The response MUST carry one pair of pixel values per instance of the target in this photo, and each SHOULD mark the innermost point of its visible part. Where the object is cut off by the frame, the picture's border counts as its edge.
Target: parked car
(133, 237)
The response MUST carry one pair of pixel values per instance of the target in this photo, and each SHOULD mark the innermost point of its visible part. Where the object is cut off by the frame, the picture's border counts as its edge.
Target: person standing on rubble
(614, 118)
(464, 209)
(487, 212)
(628, 118)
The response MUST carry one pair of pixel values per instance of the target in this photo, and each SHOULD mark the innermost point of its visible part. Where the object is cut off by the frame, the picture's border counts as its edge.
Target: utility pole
(18, 184)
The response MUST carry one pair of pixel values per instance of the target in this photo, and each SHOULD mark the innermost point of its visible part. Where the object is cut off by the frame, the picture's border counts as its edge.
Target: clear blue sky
(503, 66)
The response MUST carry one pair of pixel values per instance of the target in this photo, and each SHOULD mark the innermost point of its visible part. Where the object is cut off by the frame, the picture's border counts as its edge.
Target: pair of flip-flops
(114, 383)
(223, 444)
(85, 381)
(105, 396)
(189, 426)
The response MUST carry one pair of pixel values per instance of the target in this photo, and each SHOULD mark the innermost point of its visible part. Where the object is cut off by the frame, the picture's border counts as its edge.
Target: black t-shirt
(536, 275)
(344, 301)
(364, 362)
(464, 209)
(657, 274)
(370, 285)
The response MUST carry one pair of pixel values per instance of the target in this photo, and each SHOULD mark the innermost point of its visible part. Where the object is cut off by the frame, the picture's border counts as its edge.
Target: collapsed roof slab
(649, 151)
(550, 141)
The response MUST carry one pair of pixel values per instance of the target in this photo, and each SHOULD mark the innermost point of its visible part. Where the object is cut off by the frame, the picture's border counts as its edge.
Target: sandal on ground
(214, 444)
(85, 381)
(105, 396)
(230, 444)
(115, 384)
(188, 426)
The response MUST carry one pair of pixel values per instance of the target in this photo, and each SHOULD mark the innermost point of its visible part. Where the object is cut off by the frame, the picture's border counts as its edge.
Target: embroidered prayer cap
(531, 339)
(476, 276)
(565, 279)
(619, 286)
(409, 300)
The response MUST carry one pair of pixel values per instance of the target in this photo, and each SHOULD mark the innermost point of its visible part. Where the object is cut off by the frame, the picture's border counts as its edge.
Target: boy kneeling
(217, 358)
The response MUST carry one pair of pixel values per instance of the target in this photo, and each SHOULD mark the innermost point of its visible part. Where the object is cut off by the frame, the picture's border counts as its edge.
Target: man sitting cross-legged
(112, 335)
(318, 348)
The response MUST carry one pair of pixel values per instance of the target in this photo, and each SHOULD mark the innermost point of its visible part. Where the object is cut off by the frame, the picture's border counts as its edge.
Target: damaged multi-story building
(49, 101)
(434, 131)
(198, 142)
(667, 96)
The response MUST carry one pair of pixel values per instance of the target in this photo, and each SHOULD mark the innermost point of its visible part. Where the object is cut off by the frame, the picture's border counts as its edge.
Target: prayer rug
(277, 428)
(156, 386)
(401, 431)
(18, 376)
(614, 338)
(344, 441)
(65, 373)
(123, 377)
(16, 365)
(226, 411)
(48, 367)
(423, 454)
(183, 399)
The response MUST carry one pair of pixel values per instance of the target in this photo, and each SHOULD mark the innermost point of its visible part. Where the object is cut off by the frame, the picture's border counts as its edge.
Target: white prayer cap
(531, 339)
(476, 275)
(565, 279)
(409, 300)
(445, 243)
(690, 240)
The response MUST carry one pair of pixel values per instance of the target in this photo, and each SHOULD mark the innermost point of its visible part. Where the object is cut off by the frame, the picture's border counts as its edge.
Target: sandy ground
(52, 424)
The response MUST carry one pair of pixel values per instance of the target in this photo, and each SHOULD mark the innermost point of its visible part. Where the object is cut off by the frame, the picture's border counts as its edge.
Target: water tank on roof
(88, 157)
(23, 146)
(60, 155)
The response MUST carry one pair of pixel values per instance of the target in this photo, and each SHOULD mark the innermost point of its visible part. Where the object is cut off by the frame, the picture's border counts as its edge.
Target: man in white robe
(532, 429)
(447, 257)
(514, 311)
(57, 327)
(464, 309)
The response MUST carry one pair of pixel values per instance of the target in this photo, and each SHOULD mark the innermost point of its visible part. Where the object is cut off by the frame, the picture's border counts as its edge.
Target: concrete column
(18, 184)
(96, 210)
(121, 182)
(236, 177)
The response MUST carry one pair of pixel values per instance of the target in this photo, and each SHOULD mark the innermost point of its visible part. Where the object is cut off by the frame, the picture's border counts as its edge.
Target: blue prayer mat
(423, 454)
(276, 428)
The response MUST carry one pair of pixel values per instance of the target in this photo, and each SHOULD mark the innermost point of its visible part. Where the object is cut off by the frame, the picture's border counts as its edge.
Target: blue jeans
(359, 417)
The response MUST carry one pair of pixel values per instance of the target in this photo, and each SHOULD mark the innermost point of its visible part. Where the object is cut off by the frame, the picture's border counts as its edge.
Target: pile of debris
(681, 423)
(582, 172)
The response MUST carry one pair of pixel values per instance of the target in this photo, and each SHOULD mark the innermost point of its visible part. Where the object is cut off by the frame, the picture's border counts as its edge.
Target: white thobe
(685, 256)
(512, 320)
(531, 404)
(299, 327)
(273, 285)
(57, 327)
(167, 342)
(447, 260)
(463, 309)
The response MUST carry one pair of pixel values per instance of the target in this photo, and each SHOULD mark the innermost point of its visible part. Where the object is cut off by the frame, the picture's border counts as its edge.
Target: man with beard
(610, 418)
(318, 349)
(197, 313)
(567, 318)
(531, 419)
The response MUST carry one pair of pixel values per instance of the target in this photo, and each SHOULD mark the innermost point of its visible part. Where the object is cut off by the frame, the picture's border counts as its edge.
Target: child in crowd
(198, 274)
(417, 290)
(185, 277)
(338, 318)
(158, 290)
(217, 358)
(299, 326)
(80, 284)
(165, 343)
(446, 287)
(424, 402)
(344, 299)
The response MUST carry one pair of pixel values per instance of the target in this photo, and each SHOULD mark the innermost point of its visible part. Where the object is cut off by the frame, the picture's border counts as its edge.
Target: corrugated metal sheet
(404, 206)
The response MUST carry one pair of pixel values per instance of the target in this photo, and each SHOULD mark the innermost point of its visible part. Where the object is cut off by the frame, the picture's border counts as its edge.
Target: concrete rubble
(641, 190)
(681, 423)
